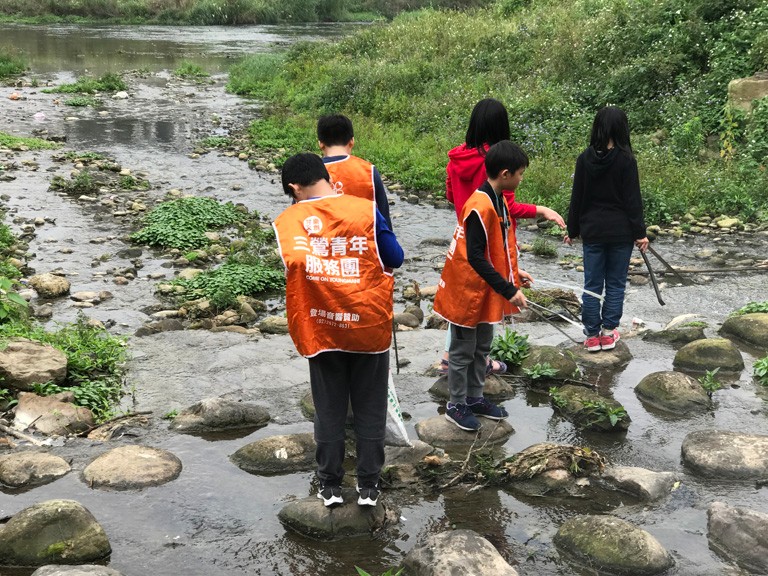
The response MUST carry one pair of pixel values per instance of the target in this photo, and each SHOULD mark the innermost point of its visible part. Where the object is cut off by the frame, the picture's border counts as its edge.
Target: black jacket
(606, 205)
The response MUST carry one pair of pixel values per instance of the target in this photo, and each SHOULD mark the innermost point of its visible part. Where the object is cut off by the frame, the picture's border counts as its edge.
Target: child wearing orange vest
(349, 174)
(338, 254)
(480, 285)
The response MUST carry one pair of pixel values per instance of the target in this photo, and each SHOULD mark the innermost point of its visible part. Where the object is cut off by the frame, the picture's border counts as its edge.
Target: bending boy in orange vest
(338, 254)
(480, 285)
(349, 174)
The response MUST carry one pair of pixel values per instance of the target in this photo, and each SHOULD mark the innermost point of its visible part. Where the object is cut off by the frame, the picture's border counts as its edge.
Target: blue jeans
(605, 272)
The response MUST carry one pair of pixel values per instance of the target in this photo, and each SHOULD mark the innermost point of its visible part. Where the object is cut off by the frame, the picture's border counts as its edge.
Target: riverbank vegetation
(213, 12)
(409, 87)
(95, 359)
(11, 63)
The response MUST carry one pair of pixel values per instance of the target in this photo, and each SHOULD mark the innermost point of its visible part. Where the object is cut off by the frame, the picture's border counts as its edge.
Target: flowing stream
(217, 520)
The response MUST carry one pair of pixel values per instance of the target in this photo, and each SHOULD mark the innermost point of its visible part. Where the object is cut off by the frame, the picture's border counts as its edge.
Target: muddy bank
(215, 519)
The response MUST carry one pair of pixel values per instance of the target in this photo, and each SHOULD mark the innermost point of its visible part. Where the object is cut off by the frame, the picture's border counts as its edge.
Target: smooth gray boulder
(496, 387)
(283, 454)
(739, 535)
(55, 415)
(673, 392)
(49, 285)
(27, 469)
(217, 414)
(459, 553)
(611, 545)
(50, 532)
(588, 410)
(82, 570)
(726, 455)
(407, 319)
(26, 362)
(709, 354)
(437, 431)
(605, 360)
(750, 328)
(274, 325)
(678, 335)
(647, 485)
(562, 362)
(309, 517)
(742, 91)
(132, 468)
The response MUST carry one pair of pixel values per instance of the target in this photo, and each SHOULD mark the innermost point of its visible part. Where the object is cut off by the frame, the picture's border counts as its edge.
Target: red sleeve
(518, 209)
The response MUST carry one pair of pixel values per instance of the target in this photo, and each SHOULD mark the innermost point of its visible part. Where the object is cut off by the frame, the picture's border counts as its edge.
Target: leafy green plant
(12, 306)
(556, 397)
(390, 572)
(17, 142)
(752, 308)
(537, 371)
(109, 82)
(709, 382)
(510, 347)
(599, 411)
(216, 142)
(83, 101)
(171, 414)
(129, 182)
(182, 223)
(81, 183)
(544, 248)
(222, 285)
(189, 69)
(7, 398)
(760, 370)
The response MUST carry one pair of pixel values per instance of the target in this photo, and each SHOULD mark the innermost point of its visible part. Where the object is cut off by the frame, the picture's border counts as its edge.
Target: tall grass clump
(409, 87)
(11, 63)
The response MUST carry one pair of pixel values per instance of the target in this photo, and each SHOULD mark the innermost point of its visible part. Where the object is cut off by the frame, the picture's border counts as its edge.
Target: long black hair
(610, 124)
(488, 124)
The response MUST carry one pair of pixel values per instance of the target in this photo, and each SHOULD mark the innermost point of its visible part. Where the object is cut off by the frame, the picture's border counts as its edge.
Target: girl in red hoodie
(465, 173)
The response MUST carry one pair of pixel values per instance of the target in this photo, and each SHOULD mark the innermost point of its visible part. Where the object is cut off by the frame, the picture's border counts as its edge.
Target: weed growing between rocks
(95, 362)
(20, 143)
(83, 101)
(109, 82)
(510, 347)
(182, 223)
(752, 308)
(760, 370)
(189, 69)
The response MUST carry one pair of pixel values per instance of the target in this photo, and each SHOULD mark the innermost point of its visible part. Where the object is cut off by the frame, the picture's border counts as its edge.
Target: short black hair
(303, 169)
(335, 130)
(504, 155)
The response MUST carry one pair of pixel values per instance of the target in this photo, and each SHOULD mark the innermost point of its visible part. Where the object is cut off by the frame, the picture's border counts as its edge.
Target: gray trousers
(338, 380)
(467, 361)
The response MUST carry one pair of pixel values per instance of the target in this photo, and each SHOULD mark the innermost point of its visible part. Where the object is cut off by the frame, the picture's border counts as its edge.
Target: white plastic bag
(395, 434)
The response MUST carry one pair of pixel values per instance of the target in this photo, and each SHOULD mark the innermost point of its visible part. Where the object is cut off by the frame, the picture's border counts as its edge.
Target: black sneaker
(368, 496)
(330, 495)
(462, 416)
(484, 407)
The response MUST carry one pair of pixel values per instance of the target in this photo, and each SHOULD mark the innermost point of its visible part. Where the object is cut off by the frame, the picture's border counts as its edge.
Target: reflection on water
(99, 49)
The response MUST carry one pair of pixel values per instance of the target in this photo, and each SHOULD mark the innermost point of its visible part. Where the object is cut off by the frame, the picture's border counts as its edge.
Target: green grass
(189, 69)
(409, 87)
(109, 82)
(14, 142)
(83, 101)
(11, 63)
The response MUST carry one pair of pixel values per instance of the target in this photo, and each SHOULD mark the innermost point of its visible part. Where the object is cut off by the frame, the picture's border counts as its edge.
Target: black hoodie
(606, 205)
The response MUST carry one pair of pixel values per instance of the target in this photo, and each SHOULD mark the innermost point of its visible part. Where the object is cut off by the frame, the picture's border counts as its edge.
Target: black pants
(340, 379)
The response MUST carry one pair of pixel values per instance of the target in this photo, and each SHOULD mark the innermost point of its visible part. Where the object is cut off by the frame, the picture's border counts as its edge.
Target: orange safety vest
(338, 292)
(463, 297)
(352, 176)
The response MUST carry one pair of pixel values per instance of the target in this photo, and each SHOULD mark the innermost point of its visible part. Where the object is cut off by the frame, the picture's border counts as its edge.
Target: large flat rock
(726, 455)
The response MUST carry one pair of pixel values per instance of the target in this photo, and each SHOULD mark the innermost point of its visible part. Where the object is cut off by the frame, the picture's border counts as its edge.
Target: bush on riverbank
(410, 86)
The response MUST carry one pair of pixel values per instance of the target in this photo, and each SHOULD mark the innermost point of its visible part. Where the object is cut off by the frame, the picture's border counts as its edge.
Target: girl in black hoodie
(606, 210)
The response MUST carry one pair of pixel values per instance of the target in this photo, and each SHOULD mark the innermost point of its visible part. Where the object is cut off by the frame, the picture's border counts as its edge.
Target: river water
(217, 520)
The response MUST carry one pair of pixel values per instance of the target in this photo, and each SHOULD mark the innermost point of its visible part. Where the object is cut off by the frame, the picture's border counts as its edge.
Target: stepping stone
(132, 468)
(277, 455)
(437, 431)
(726, 455)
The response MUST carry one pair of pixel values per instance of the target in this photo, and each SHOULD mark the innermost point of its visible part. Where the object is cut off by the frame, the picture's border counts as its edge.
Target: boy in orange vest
(349, 174)
(338, 254)
(480, 285)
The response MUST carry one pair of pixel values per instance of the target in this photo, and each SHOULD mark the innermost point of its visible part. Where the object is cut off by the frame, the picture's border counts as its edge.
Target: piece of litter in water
(638, 321)
(39, 116)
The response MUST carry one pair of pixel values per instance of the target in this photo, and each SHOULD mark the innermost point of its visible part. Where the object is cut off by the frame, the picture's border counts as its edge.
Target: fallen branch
(463, 470)
(20, 435)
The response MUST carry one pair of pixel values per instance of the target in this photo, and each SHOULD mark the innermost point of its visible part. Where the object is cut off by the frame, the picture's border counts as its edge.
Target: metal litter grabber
(535, 308)
(653, 278)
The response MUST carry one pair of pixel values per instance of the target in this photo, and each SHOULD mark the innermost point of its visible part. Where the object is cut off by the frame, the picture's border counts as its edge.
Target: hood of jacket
(466, 163)
(597, 162)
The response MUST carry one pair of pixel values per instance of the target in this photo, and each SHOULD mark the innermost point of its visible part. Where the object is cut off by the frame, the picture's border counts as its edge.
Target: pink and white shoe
(592, 344)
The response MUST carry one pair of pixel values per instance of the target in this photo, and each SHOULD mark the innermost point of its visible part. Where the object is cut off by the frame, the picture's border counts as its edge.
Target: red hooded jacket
(466, 173)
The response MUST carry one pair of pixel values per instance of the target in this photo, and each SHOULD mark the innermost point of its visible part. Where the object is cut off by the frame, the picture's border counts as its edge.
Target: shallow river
(217, 520)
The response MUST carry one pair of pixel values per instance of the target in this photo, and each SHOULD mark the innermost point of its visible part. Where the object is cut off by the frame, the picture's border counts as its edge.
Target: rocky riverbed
(199, 509)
